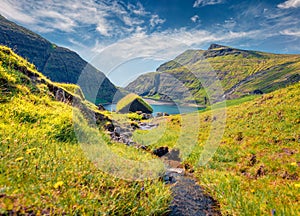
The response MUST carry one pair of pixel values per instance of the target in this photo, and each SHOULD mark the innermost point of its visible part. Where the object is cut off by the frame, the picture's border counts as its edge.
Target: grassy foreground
(256, 168)
(43, 169)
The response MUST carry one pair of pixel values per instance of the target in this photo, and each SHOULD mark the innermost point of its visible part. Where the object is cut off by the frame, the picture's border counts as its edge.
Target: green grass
(128, 99)
(232, 102)
(44, 169)
(266, 127)
(75, 89)
(164, 135)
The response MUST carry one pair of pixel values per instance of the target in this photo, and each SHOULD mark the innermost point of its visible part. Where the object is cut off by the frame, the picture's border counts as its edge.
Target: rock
(253, 160)
(260, 172)
(134, 125)
(174, 164)
(257, 92)
(117, 131)
(239, 136)
(173, 155)
(144, 147)
(159, 114)
(161, 151)
(189, 168)
(109, 127)
(175, 170)
(146, 116)
(60, 95)
(133, 103)
(127, 134)
(101, 107)
(147, 126)
(142, 124)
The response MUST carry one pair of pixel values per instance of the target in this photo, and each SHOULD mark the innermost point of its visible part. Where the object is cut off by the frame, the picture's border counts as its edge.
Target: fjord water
(163, 108)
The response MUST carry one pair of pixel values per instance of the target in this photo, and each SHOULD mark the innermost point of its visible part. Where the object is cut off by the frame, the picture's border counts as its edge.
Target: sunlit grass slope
(256, 169)
(43, 169)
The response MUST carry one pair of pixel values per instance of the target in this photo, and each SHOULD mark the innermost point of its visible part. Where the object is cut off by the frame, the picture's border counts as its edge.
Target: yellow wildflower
(58, 184)
(19, 159)
(294, 164)
(297, 185)
(29, 151)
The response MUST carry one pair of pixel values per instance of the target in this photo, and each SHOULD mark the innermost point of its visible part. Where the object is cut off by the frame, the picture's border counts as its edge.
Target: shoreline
(158, 102)
(162, 102)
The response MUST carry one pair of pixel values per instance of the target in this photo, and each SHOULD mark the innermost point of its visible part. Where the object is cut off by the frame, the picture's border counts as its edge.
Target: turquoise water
(170, 109)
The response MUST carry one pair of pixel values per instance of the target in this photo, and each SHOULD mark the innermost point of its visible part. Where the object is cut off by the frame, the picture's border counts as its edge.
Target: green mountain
(195, 74)
(45, 168)
(57, 63)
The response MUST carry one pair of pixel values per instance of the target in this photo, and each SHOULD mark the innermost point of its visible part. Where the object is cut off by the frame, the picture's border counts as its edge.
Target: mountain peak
(216, 46)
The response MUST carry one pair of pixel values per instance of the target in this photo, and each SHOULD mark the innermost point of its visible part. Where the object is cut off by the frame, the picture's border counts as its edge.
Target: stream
(189, 199)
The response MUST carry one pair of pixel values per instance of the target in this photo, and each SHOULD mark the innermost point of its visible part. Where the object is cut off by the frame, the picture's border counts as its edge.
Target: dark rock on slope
(57, 63)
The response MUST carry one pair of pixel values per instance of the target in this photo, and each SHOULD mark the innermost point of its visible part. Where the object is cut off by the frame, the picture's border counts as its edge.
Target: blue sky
(127, 37)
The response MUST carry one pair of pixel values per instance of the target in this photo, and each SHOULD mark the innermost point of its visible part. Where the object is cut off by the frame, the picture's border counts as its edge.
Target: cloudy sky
(128, 37)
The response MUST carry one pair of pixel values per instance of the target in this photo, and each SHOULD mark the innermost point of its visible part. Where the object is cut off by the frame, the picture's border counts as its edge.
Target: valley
(211, 132)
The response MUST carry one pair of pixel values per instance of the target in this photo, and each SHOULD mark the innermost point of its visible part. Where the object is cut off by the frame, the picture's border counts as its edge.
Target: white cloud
(138, 9)
(103, 27)
(290, 32)
(159, 46)
(155, 20)
(108, 17)
(195, 18)
(14, 12)
(289, 4)
(202, 3)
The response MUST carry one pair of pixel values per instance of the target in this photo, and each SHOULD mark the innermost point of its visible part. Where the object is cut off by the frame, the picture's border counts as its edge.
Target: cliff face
(237, 72)
(58, 63)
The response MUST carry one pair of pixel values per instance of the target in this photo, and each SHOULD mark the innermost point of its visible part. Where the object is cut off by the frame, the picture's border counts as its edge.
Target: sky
(126, 38)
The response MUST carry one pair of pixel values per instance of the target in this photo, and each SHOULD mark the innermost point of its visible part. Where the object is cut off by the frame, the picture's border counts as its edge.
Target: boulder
(101, 107)
(257, 92)
(133, 103)
(161, 151)
(146, 116)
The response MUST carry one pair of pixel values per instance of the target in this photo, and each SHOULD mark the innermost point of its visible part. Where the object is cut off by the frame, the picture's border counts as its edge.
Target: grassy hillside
(57, 63)
(241, 72)
(43, 168)
(256, 168)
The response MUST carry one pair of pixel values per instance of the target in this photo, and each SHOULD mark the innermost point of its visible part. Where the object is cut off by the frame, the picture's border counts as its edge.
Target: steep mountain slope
(58, 63)
(241, 72)
(44, 170)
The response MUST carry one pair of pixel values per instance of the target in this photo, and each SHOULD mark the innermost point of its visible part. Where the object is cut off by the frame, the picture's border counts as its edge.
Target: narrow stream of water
(189, 199)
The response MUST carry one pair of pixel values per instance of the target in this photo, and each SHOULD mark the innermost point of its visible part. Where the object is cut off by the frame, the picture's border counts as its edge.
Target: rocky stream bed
(189, 199)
